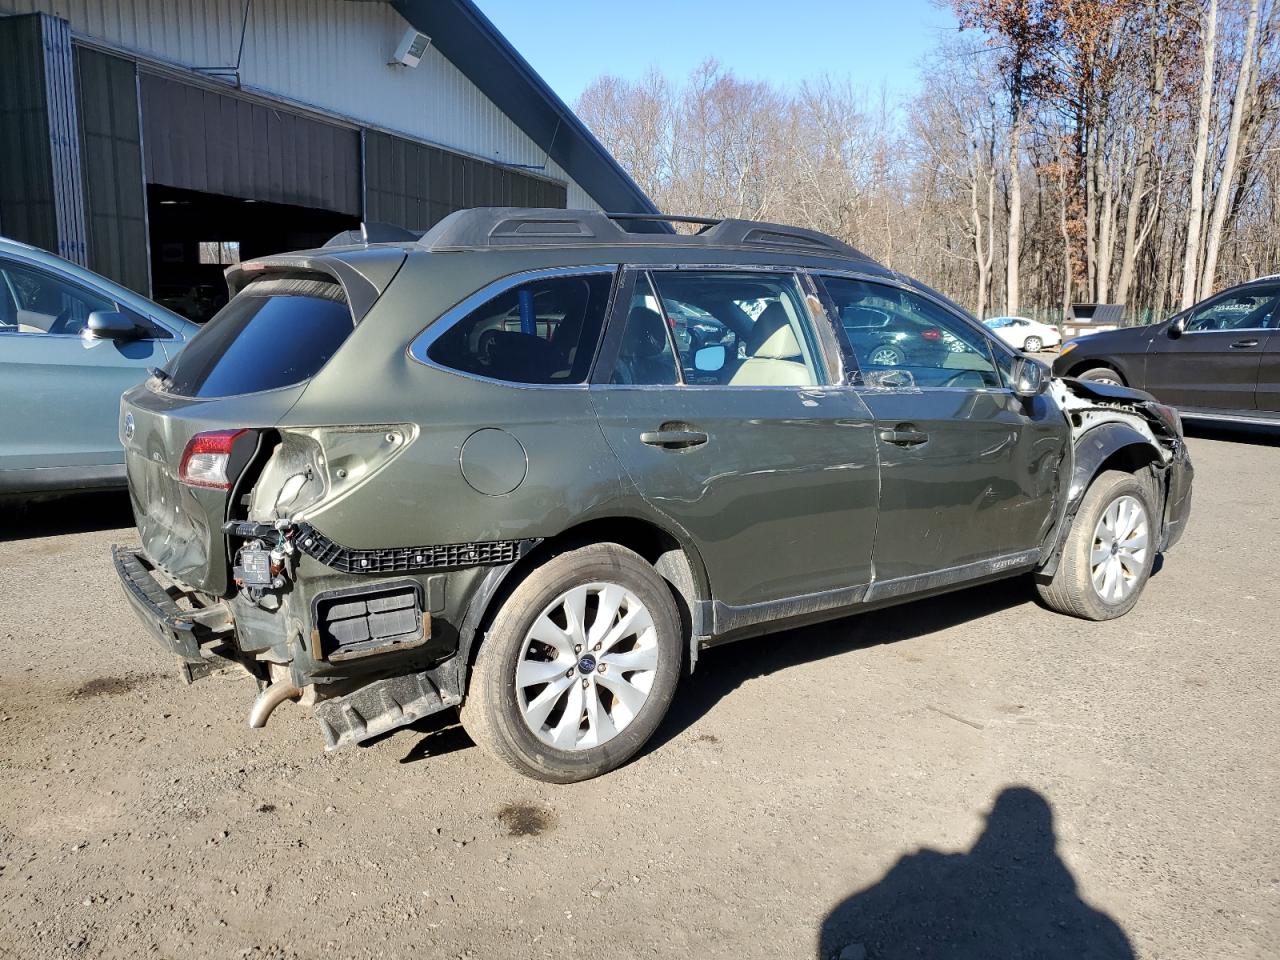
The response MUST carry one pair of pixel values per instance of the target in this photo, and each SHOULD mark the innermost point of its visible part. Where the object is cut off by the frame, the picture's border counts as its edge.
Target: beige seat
(773, 354)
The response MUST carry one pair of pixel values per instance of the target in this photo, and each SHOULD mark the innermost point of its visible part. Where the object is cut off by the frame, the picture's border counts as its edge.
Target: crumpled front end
(1115, 424)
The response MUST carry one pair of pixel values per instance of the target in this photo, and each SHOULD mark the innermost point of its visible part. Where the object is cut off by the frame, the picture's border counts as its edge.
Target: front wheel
(1102, 375)
(1109, 553)
(1033, 345)
(579, 667)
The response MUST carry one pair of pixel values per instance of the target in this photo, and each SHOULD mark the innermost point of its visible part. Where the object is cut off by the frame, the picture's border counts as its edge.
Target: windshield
(275, 333)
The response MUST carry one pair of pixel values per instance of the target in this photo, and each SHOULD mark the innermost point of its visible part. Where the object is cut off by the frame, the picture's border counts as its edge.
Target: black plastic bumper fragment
(381, 706)
(485, 553)
(193, 635)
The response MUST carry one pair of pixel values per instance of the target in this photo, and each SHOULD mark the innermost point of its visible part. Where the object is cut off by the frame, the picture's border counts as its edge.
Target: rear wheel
(1102, 375)
(1033, 345)
(579, 667)
(1109, 552)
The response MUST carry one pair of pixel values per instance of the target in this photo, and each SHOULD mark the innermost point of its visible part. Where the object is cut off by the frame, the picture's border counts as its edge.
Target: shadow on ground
(1233, 433)
(722, 670)
(1009, 896)
(77, 513)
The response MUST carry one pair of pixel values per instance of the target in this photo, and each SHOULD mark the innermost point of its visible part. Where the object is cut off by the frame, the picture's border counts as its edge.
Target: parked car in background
(481, 470)
(71, 342)
(1022, 333)
(1218, 360)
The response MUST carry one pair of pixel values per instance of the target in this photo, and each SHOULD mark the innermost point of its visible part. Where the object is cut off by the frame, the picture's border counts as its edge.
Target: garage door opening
(195, 236)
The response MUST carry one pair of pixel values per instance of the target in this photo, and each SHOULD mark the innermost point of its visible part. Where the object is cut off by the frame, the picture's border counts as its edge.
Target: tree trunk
(1195, 214)
(1227, 182)
(1137, 194)
(1015, 203)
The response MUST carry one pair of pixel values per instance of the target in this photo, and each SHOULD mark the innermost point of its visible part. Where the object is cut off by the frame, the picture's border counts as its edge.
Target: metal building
(157, 140)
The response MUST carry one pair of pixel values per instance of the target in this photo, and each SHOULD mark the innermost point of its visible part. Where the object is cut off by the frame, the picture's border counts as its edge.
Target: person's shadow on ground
(1008, 897)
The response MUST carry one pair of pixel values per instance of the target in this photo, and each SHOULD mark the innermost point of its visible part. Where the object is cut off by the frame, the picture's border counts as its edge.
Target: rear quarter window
(274, 333)
(544, 331)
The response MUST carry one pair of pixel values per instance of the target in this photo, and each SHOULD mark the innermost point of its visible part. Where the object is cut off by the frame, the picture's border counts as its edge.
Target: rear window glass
(275, 333)
(543, 331)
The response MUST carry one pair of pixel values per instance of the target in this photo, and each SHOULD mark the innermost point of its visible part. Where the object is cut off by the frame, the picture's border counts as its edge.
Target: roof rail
(374, 233)
(489, 227)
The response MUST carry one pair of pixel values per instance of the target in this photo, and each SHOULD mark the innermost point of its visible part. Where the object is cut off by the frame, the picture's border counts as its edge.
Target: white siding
(328, 54)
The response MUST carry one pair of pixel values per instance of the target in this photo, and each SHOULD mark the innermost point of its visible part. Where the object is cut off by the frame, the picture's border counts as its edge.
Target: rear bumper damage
(349, 633)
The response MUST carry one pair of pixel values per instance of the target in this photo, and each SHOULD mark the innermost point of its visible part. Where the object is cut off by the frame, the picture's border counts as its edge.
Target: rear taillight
(931, 333)
(204, 461)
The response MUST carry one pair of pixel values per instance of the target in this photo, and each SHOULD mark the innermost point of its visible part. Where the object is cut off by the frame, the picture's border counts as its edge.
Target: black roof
(475, 46)
(486, 228)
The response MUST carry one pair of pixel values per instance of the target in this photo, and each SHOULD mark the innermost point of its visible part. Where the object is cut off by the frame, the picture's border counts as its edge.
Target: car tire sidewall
(504, 645)
(1101, 494)
(1098, 374)
(1039, 345)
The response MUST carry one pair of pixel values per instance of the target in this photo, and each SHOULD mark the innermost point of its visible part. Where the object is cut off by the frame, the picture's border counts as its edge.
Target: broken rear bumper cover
(198, 636)
(354, 648)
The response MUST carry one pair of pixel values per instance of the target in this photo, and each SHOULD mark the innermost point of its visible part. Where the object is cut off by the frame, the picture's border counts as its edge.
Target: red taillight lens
(204, 461)
(931, 333)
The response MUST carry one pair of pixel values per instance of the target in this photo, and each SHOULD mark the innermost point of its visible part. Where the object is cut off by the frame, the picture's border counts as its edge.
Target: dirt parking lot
(971, 776)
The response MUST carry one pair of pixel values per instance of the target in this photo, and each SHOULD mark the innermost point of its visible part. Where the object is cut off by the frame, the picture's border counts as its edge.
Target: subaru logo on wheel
(587, 663)
(128, 426)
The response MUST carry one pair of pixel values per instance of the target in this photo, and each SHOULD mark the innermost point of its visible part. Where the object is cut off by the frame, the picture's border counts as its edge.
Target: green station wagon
(530, 464)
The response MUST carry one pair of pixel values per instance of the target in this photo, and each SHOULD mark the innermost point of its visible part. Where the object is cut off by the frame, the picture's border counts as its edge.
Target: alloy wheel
(1119, 553)
(885, 357)
(586, 666)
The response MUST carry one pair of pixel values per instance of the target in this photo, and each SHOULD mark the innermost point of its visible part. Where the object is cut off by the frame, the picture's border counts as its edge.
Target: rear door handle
(903, 437)
(1244, 344)
(674, 439)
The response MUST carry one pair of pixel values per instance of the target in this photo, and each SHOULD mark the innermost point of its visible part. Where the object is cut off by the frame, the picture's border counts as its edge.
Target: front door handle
(903, 436)
(673, 439)
(1244, 344)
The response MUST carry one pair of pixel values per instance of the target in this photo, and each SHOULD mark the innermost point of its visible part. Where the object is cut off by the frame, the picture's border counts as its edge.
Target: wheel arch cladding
(676, 562)
(1108, 446)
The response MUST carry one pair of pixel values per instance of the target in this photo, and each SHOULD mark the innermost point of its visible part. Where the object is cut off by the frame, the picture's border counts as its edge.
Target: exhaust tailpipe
(270, 698)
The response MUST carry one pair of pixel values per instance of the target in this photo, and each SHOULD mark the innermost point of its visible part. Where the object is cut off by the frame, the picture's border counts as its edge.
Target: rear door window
(544, 331)
(275, 333)
(728, 329)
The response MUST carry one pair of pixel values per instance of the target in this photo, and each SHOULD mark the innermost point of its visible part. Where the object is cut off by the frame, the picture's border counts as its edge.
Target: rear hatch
(195, 432)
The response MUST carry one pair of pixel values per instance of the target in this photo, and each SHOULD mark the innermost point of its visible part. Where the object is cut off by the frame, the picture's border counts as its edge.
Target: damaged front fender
(1128, 428)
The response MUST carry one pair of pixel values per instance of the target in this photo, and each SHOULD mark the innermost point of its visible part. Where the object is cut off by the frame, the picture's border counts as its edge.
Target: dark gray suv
(530, 464)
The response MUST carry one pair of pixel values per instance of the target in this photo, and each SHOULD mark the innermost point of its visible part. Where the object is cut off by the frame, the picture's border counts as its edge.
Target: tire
(886, 355)
(1033, 345)
(1101, 375)
(499, 712)
(1074, 588)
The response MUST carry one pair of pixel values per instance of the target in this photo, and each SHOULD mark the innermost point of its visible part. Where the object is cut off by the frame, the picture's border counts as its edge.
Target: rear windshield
(275, 333)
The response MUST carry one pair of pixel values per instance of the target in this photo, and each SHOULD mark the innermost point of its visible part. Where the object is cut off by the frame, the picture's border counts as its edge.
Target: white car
(1023, 334)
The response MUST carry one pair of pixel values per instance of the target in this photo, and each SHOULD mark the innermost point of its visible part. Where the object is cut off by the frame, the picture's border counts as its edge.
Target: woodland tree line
(1061, 151)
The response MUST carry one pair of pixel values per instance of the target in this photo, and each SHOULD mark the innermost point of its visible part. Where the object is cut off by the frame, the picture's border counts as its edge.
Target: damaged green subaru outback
(529, 464)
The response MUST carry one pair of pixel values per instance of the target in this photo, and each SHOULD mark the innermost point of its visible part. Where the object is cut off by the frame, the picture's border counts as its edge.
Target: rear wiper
(164, 376)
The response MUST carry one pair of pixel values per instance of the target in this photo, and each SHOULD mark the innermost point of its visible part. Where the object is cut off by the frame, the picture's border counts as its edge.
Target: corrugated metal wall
(415, 186)
(40, 196)
(331, 54)
(111, 141)
(200, 139)
(26, 190)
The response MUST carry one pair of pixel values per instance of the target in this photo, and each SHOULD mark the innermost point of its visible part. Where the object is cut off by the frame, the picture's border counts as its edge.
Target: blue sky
(874, 42)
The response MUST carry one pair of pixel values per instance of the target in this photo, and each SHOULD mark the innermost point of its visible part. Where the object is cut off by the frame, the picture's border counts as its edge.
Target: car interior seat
(773, 353)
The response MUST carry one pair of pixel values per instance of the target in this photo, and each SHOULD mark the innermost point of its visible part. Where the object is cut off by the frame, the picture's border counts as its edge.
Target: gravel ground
(970, 776)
